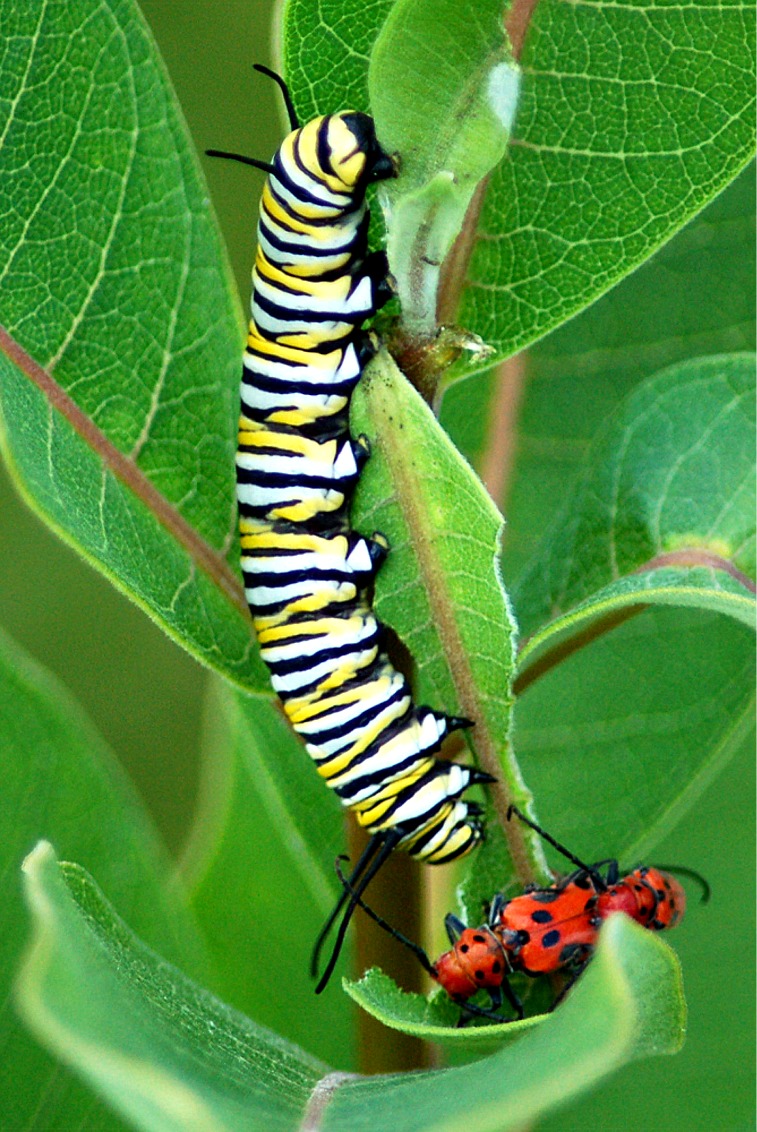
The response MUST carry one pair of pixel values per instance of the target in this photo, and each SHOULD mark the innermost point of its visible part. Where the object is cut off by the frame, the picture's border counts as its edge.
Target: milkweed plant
(561, 422)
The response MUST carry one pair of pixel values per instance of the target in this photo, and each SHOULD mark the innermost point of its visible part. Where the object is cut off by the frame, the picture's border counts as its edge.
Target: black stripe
(381, 777)
(280, 385)
(323, 149)
(303, 167)
(282, 174)
(295, 247)
(293, 318)
(311, 484)
(273, 578)
(335, 652)
(362, 719)
(338, 220)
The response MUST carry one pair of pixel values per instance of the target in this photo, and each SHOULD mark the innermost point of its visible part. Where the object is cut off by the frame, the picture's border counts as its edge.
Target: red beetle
(547, 930)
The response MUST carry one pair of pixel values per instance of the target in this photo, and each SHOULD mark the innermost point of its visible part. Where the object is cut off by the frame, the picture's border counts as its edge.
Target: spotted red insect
(549, 930)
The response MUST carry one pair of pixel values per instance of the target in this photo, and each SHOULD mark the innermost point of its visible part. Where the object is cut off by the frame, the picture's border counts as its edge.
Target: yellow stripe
(289, 442)
(335, 289)
(312, 603)
(308, 150)
(305, 541)
(296, 418)
(278, 352)
(305, 270)
(278, 216)
(392, 790)
(321, 626)
(305, 713)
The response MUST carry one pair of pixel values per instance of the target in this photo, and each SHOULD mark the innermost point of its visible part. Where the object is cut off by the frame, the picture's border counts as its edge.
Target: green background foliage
(631, 121)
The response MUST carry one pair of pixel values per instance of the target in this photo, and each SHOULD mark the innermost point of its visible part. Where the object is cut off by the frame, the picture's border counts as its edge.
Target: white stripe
(311, 648)
(322, 752)
(347, 369)
(320, 404)
(302, 563)
(325, 209)
(390, 773)
(307, 181)
(294, 680)
(326, 329)
(340, 716)
(333, 299)
(272, 595)
(325, 460)
(258, 496)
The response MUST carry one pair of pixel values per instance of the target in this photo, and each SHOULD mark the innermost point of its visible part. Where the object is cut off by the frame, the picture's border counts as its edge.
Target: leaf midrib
(205, 558)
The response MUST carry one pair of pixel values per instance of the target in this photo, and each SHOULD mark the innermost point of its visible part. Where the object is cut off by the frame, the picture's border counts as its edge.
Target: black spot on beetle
(479, 939)
(571, 951)
(464, 948)
(551, 939)
(496, 967)
(661, 894)
(547, 896)
(480, 976)
(542, 916)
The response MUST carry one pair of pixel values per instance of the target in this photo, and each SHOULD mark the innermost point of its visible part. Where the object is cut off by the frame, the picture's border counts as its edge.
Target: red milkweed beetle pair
(546, 930)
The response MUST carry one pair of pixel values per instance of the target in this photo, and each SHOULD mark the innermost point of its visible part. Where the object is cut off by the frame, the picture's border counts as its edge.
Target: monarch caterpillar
(307, 575)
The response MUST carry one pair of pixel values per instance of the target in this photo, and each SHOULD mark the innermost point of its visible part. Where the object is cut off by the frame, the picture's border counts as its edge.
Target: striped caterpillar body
(308, 577)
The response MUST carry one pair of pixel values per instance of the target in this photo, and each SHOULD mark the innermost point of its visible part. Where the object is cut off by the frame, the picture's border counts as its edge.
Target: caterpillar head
(347, 152)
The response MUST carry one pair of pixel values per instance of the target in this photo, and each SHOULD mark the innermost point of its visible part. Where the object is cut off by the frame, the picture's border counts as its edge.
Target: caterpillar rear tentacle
(308, 577)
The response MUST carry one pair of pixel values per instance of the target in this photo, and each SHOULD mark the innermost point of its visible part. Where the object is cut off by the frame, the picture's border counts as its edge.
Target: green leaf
(61, 781)
(632, 118)
(326, 46)
(160, 1049)
(119, 370)
(443, 93)
(434, 1019)
(169, 1056)
(261, 865)
(662, 519)
(629, 1004)
(440, 588)
(619, 739)
(668, 483)
(694, 297)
